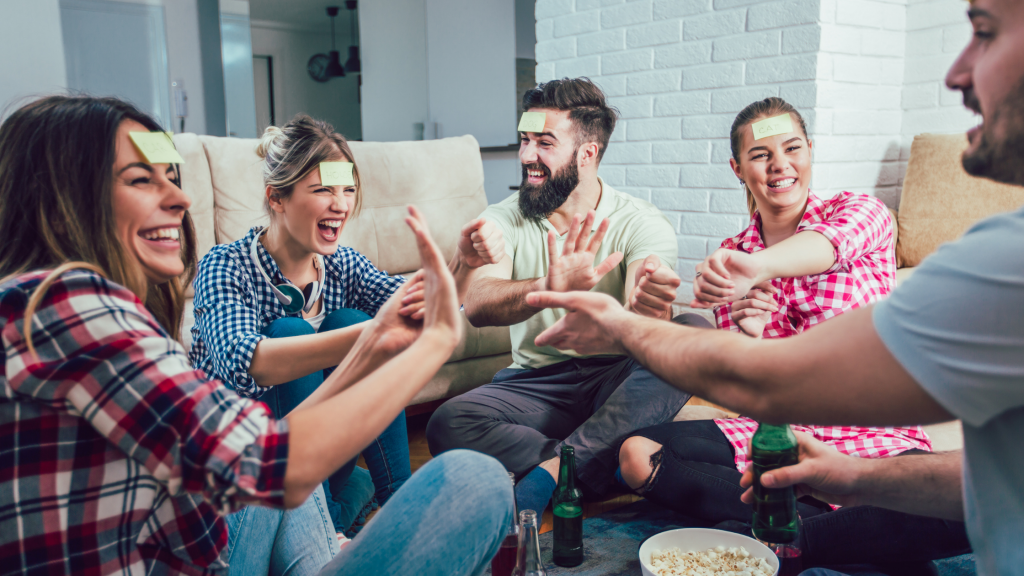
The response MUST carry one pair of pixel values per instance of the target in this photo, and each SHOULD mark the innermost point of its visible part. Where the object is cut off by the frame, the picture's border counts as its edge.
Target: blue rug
(612, 540)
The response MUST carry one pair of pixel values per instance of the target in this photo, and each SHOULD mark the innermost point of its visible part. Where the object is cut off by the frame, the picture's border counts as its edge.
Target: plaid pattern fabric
(860, 228)
(850, 440)
(234, 303)
(118, 456)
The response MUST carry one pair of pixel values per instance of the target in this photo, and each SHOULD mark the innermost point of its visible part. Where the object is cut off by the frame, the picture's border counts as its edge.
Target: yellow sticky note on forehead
(336, 174)
(156, 147)
(773, 126)
(532, 122)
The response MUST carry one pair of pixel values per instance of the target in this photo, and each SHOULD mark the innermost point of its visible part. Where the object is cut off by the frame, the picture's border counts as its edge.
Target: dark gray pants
(524, 416)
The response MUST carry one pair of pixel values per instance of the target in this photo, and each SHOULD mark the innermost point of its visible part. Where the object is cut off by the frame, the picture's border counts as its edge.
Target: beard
(538, 202)
(1000, 146)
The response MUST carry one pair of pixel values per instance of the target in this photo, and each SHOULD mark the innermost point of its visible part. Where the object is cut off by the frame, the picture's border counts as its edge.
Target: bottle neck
(528, 555)
(567, 471)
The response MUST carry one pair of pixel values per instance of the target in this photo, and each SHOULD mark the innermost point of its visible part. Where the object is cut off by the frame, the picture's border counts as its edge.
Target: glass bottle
(775, 519)
(505, 560)
(528, 554)
(567, 508)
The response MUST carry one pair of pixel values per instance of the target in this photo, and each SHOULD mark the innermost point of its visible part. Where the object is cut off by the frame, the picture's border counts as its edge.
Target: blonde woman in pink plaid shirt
(802, 260)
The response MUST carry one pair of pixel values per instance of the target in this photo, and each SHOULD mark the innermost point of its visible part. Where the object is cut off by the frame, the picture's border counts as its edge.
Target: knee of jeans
(285, 327)
(481, 479)
(692, 320)
(343, 317)
(635, 460)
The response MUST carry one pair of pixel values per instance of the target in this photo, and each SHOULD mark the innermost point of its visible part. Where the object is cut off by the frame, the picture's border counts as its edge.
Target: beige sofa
(444, 178)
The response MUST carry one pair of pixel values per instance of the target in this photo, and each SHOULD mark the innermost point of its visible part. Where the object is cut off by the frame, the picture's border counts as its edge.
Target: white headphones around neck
(289, 295)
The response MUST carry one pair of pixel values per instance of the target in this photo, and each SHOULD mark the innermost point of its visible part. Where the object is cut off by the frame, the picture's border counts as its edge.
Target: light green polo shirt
(637, 229)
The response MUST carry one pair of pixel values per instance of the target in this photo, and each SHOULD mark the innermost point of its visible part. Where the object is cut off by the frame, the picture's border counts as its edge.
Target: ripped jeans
(695, 474)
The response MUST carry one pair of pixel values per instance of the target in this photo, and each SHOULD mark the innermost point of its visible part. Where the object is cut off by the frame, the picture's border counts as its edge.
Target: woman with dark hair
(123, 458)
(802, 260)
(265, 344)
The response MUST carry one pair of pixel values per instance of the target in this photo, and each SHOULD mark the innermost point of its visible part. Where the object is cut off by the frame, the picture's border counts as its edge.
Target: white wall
(857, 113)
(394, 62)
(291, 46)
(937, 32)
(32, 49)
(184, 60)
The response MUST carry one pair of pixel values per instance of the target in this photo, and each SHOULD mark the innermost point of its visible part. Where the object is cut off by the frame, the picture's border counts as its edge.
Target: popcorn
(719, 561)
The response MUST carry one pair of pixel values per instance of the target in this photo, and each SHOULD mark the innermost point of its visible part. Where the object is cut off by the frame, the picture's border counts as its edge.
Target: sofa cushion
(195, 181)
(940, 201)
(444, 178)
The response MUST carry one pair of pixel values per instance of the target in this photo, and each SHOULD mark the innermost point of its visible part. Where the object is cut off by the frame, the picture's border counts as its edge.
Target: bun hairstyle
(291, 152)
(767, 108)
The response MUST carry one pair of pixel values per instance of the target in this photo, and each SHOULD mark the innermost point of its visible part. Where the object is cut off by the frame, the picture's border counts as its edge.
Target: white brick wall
(867, 74)
(936, 33)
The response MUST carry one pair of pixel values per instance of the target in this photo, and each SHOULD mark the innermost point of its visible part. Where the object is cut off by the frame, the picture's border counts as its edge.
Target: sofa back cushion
(940, 201)
(195, 181)
(444, 178)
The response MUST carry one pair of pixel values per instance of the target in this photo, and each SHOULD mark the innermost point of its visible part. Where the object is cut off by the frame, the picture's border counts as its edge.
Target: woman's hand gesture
(441, 305)
(725, 276)
(754, 312)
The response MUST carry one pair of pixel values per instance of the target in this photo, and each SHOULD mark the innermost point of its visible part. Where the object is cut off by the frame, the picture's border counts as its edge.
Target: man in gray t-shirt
(949, 343)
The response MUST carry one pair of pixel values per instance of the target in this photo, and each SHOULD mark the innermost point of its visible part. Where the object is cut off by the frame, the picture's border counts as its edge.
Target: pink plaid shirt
(860, 228)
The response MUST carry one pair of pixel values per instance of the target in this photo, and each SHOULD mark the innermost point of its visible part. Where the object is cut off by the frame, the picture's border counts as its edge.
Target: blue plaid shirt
(234, 303)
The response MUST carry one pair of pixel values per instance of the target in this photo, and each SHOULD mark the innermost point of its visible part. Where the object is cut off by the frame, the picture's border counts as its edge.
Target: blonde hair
(289, 154)
(767, 108)
(56, 206)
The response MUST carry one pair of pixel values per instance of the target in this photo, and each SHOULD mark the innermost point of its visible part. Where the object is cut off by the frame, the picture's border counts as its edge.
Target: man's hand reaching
(574, 269)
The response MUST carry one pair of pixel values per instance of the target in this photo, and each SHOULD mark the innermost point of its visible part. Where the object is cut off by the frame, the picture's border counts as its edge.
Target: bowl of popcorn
(705, 552)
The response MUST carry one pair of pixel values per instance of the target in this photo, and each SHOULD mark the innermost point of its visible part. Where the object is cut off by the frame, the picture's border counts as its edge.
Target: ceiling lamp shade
(323, 67)
(352, 64)
(334, 68)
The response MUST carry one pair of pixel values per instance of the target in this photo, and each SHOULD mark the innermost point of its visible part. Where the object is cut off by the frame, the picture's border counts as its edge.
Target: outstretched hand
(441, 314)
(574, 269)
(585, 326)
(725, 276)
(481, 243)
(822, 473)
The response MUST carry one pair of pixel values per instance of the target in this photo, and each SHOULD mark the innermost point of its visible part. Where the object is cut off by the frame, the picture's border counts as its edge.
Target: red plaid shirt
(860, 228)
(118, 457)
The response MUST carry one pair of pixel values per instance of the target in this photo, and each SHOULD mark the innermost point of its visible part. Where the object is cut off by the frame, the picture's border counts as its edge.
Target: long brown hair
(767, 108)
(289, 153)
(56, 205)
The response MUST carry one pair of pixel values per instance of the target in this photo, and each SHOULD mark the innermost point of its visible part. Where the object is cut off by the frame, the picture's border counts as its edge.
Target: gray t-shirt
(957, 326)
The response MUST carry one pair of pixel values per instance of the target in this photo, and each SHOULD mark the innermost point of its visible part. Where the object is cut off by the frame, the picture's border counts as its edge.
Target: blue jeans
(448, 520)
(295, 542)
(387, 457)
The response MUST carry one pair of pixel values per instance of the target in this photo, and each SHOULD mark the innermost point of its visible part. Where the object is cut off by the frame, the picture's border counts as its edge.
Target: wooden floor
(419, 455)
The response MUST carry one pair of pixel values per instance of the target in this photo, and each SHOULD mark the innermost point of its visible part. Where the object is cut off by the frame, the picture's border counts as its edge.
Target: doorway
(263, 80)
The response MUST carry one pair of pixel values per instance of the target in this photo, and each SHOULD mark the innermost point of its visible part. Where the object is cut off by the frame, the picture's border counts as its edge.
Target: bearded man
(551, 397)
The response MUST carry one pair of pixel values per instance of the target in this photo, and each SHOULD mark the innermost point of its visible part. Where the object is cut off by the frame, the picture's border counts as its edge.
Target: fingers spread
(598, 237)
(574, 232)
(606, 266)
(588, 226)
(552, 248)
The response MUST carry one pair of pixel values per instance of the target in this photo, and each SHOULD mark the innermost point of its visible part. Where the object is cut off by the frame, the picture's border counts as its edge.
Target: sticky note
(336, 174)
(532, 122)
(773, 126)
(156, 147)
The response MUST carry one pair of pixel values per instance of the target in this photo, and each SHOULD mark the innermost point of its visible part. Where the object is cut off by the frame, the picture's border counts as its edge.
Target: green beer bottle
(775, 519)
(567, 506)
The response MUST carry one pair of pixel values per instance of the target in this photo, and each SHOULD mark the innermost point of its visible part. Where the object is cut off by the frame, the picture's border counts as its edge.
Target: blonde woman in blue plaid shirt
(253, 331)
